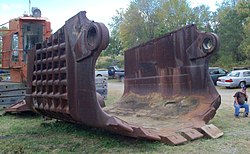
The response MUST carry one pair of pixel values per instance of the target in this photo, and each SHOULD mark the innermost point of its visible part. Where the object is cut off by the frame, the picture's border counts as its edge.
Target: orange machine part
(13, 47)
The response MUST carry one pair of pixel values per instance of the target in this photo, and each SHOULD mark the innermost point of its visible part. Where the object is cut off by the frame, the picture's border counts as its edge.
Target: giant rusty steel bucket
(168, 93)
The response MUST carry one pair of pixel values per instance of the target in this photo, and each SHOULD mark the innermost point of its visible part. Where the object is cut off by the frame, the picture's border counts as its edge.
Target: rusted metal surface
(18, 107)
(11, 92)
(168, 94)
(12, 95)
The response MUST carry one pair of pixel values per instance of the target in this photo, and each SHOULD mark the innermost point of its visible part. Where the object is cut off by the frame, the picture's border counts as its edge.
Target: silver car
(237, 78)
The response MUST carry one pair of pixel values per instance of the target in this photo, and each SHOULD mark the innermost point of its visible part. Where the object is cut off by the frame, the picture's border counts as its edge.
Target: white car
(237, 78)
(101, 73)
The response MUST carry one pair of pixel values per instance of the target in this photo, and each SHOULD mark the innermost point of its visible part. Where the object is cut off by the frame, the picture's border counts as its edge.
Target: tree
(173, 15)
(204, 18)
(230, 31)
(115, 46)
(139, 22)
(146, 19)
(243, 9)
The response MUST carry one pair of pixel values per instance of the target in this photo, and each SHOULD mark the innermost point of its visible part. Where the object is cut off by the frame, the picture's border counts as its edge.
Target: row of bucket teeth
(173, 138)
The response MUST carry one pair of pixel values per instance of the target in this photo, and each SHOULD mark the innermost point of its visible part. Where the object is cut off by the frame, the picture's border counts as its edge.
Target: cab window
(32, 34)
(14, 47)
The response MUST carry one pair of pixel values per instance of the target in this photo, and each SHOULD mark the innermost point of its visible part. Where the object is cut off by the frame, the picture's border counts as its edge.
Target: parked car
(237, 78)
(116, 72)
(101, 73)
(111, 72)
(216, 72)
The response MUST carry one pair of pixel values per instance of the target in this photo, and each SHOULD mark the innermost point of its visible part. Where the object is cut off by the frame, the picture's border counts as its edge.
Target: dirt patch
(156, 105)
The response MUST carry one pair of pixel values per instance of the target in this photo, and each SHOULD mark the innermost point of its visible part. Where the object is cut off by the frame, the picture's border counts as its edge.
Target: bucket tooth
(18, 107)
(211, 131)
(191, 134)
(145, 133)
(173, 139)
(118, 125)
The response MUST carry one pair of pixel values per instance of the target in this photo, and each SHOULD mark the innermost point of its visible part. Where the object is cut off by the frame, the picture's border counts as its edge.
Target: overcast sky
(58, 11)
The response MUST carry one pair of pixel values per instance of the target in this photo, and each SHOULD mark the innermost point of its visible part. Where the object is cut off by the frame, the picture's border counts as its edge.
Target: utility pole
(29, 7)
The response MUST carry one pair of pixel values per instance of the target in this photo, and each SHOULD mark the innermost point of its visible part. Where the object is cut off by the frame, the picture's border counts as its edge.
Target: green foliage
(233, 30)
(243, 9)
(224, 61)
(133, 31)
(115, 46)
(230, 32)
(173, 14)
(146, 19)
(104, 61)
(203, 18)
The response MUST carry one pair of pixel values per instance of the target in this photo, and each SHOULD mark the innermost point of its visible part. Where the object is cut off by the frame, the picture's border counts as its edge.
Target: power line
(4, 23)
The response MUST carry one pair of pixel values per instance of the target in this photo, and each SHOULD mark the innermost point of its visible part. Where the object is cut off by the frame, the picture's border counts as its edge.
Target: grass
(31, 134)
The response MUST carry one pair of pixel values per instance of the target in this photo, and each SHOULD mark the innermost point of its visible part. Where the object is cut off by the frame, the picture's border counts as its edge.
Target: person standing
(240, 101)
